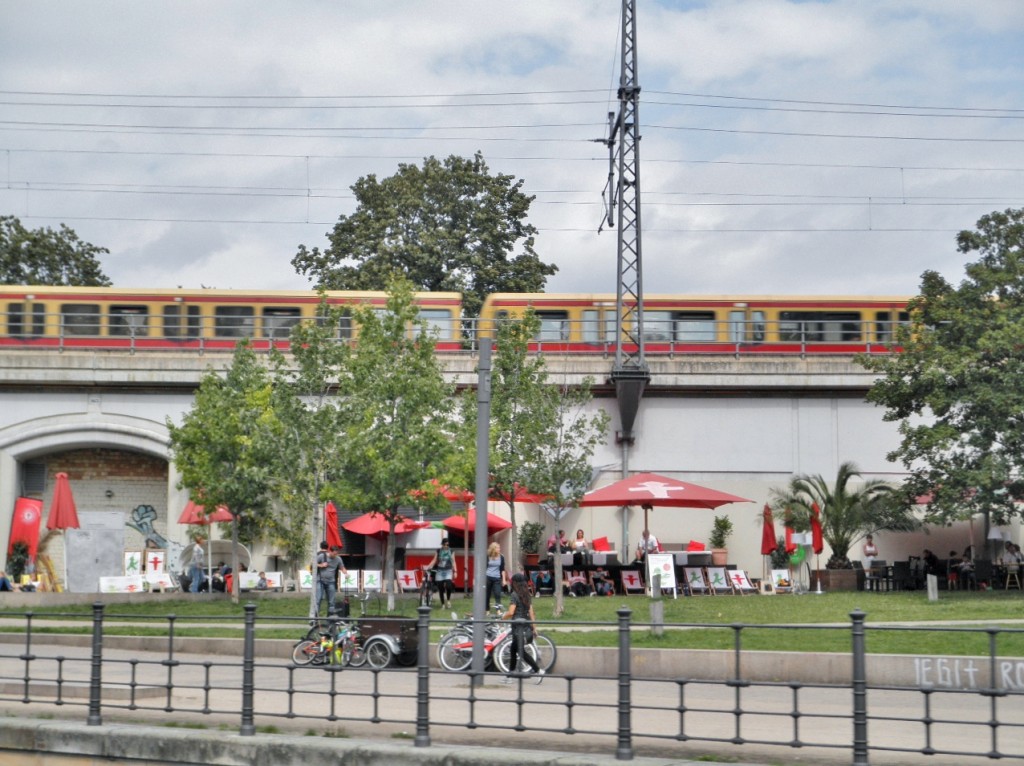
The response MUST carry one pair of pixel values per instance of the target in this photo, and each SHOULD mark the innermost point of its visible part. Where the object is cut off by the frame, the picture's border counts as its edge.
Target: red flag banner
(28, 512)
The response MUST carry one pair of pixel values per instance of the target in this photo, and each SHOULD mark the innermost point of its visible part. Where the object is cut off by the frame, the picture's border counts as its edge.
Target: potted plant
(719, 536)
(530, 534)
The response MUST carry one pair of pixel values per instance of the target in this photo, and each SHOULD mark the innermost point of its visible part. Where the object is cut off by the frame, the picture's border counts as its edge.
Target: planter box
(834, 579)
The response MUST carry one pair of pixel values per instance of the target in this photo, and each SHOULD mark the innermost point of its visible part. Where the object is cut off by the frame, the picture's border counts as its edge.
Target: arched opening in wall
(121, 501)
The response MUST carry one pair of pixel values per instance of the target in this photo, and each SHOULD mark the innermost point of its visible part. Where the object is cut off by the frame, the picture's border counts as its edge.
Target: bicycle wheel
(357, 657)
(455, 652)
(544, 651)
(305, 652)
(501, 655)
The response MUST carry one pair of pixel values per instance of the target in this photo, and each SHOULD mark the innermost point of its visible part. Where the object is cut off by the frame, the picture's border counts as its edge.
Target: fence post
(423, 678)
(248, 727)
(624, 749)
(860, 693)
(96, 666)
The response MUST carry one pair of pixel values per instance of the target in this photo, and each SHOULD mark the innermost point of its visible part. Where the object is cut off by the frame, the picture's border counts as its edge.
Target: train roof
(145, 293)
(538, 298)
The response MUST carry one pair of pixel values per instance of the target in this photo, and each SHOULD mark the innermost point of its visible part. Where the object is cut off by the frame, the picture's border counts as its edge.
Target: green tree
(219, 448)
(446, 226)
(47, 257)
(309, 439)
(955, 387)
(848, 513)
(396, 411)
(542, 434)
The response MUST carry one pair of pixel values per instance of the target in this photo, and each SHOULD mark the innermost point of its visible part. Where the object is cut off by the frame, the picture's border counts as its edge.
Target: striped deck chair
(696, 580)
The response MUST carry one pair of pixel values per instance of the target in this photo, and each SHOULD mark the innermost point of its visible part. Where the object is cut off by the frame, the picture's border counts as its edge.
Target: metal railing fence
(860, 703)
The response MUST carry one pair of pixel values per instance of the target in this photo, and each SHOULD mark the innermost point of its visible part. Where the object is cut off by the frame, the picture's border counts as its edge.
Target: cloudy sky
(788, 147)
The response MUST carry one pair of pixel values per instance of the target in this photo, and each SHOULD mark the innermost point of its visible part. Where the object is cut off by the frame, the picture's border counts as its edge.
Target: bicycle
(427, 587)
(340, 645)
(455, 649)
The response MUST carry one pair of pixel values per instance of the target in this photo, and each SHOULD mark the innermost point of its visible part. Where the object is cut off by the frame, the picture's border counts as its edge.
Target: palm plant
(848, 513)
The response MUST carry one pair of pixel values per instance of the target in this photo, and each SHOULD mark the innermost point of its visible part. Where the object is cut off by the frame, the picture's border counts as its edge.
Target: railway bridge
(741, 424)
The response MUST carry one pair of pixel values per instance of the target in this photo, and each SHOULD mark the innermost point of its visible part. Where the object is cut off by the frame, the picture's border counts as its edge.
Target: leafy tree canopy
(396, 409)
(219, 448)
(955, 388)
(542, 434)
(446, 226)
(47, 257)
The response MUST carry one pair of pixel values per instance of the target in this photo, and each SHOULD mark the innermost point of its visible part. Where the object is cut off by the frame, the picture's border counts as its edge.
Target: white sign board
(662, 564)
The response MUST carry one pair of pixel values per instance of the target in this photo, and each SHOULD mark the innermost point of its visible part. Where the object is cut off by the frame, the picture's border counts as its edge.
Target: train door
(181, 322)
(598, 325)
(25, 320)
(746, 325)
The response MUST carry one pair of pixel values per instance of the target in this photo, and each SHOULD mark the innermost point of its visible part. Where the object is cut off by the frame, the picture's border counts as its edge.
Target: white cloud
(779, 198)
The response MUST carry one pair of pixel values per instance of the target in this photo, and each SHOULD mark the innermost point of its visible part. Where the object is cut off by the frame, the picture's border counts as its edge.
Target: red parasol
(817, 543)
(650, 490)
(459, 523)
(331, 532)
(195, 514)
(63, 514)
(791, 545)
(768, 541)
(376, 525)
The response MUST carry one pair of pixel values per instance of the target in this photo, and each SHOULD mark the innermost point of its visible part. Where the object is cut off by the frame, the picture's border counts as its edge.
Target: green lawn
(698, 622)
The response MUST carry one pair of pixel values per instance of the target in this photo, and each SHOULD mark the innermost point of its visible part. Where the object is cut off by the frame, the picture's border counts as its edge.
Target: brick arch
(41, 436)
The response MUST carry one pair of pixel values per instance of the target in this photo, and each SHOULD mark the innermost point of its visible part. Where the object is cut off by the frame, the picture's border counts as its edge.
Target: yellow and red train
(112, 317)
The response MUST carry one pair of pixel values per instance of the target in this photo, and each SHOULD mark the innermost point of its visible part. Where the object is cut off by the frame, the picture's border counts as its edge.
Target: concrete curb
(185, 747)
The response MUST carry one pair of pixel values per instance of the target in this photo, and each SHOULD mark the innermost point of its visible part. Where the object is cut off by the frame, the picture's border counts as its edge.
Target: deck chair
(741, 583)
(696, 580)
(371, 579)
(782, 581)
(719, 581)
(631, 582)
(408, 580)
(349, 580)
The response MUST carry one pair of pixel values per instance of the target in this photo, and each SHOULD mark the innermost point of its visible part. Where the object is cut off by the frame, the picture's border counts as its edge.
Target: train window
(658, 326)
(129, 320)
(20, 325)
(176, 327)
(695, 326)
(233, 321)
(80, 318)
(596, 331)
(345, 325)
(819, 326)
(438, 319)
(278, 322)
(554, 325)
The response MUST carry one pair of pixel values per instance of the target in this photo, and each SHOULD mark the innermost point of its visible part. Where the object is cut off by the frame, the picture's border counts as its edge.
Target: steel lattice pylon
(630, 373)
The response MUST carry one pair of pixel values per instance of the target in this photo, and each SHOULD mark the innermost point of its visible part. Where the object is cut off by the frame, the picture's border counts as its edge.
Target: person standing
(328, 576)
(444, 561)
(524, 626)
(870, 552)
(497, 577)
(197, 565)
